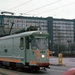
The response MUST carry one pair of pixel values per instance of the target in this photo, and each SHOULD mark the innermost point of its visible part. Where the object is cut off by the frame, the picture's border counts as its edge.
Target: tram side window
(27, 42)
(21, 43)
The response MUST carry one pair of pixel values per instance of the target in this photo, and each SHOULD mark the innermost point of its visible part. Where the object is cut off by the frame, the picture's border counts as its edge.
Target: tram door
(30, 54)
(27, 51)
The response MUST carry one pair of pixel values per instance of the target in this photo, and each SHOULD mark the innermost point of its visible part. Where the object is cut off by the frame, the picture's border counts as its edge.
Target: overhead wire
(16, 7)
(33, 9)
(43, 6)
(56, 8)
(19, 5)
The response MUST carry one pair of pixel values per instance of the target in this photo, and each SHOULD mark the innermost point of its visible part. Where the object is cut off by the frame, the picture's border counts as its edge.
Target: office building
(60, 30)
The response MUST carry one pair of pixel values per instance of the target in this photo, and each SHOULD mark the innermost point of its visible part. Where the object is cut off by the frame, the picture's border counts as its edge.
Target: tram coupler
(48, 67)
(44, 69)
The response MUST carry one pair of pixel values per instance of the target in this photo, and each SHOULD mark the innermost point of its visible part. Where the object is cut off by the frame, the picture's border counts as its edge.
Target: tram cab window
(27, 42)
(21, 43)
(39, 42)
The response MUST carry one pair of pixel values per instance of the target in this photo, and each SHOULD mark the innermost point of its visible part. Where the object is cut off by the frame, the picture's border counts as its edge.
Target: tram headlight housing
(43, 56)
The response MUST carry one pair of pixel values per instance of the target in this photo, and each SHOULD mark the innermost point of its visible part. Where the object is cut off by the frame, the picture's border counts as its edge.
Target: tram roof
(25, 34)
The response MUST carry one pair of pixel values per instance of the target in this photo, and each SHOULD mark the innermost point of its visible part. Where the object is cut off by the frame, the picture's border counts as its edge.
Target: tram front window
(39, 43)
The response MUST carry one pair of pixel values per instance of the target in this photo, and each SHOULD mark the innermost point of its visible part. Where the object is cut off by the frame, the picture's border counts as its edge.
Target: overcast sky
(40, 8)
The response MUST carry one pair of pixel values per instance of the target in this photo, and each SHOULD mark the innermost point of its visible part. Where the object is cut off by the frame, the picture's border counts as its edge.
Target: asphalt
(63, 61)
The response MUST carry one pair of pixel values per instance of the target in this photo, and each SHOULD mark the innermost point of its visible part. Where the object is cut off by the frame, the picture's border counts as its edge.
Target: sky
(40, 8)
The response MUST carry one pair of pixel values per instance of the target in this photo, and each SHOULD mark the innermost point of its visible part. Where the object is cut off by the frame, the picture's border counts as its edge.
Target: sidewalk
(65, 61)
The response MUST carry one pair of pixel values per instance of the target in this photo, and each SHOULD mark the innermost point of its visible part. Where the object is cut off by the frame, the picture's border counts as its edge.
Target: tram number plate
(42, 51)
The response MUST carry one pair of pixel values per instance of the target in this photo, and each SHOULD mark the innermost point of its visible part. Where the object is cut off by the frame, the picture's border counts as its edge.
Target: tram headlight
(43, 56)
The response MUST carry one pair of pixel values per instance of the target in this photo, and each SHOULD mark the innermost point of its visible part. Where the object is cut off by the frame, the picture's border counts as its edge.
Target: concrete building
(63, 31)
(60, 30)
(19, 22)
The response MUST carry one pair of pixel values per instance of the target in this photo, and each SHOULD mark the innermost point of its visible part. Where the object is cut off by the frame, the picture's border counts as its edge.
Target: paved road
(65, 61)
(55, 70)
